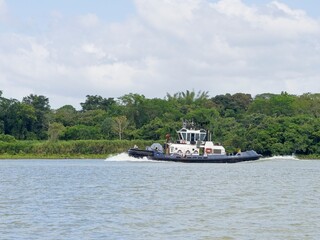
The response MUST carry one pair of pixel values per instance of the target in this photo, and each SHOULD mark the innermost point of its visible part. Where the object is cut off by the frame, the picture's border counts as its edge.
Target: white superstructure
(194, 142)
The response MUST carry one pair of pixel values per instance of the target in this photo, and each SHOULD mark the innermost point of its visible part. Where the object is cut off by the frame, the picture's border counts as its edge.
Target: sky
(67, 49)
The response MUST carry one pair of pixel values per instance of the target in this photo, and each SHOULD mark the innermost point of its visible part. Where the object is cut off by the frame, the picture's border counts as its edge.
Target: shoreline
(53, 157)
(105, 156)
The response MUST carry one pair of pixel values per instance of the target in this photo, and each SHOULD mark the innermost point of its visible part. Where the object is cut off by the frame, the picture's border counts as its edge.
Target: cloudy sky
(67, 49)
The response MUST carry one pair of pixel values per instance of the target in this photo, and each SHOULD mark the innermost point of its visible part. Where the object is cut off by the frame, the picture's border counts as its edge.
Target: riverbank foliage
(66, 149)
(271, 124)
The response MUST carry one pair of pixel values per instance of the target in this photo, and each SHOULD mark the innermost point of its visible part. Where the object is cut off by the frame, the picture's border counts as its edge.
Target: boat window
(197, 137)
(202, 136)
(192, 137)
(183, 136)
(188, 137)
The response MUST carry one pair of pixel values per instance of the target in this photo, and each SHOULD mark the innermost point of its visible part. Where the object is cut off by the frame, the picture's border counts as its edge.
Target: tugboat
(192, 146)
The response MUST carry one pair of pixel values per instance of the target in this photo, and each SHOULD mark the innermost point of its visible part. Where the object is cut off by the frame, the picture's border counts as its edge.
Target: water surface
(123, 199)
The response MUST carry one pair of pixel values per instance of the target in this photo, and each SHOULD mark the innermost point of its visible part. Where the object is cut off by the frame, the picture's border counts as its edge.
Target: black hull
(156, 156)
(138, 153)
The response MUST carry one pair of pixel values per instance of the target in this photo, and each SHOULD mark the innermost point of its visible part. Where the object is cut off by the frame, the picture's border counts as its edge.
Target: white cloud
(168, 16)
(89, 20)
(284, 9)
(93, 49)
(235, 8)
(169, 46)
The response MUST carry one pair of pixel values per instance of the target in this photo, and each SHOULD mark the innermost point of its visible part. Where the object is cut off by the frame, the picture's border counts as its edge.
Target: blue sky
(116, 10)
(66, 49)
(35, 15)
(109, 10)
(311, 7)
(113, 10)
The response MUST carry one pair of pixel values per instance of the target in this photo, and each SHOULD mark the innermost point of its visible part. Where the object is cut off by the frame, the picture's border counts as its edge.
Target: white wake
(124, 157)
(288, 157)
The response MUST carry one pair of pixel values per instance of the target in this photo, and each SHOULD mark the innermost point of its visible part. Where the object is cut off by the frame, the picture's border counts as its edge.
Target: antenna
(192, 124)
(184, 124)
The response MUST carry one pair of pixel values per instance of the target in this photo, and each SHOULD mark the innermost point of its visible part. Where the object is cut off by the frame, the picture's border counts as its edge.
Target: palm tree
(189, 97)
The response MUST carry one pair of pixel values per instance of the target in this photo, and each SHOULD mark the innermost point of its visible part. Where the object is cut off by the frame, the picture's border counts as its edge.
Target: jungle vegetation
(271, 124)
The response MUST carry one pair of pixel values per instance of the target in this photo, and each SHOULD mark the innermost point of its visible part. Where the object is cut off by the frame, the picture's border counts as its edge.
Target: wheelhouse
(191, 136)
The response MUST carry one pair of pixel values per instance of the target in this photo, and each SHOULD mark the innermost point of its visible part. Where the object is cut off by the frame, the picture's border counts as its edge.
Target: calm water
(117, 199)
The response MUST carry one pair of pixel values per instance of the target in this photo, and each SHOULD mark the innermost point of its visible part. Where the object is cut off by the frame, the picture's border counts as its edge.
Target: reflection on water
(121, 199)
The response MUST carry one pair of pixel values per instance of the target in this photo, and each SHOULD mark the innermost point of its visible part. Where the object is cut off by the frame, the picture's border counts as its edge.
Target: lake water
(124, 199)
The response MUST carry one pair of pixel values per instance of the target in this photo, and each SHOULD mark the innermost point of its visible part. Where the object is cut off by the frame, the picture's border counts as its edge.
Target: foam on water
(124, 157)
(288, 157)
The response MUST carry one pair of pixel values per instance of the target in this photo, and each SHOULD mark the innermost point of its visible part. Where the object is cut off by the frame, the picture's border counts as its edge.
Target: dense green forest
(271, 124)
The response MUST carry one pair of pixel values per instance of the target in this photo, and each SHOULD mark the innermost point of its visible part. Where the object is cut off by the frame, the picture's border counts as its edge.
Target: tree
(152, 130)
(106, 128)
(119, 125)
(189, 100)
(189, 97)
(231, 105)
(39, 102)
(91, 117)
(274, 105)
(81, 132)
(55, 131)
(153, 108)
(95, 102)
(19, 120)
(134, 108)
(67, 115)
(3, 104)
(42, 109)
(204, 117)
(308, 104)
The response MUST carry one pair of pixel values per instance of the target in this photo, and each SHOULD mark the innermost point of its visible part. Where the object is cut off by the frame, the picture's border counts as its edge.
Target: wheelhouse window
(183, 134)
(197, 136)
(202, 135)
